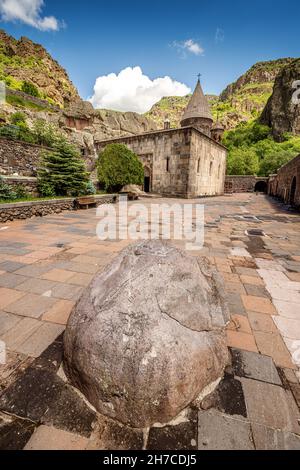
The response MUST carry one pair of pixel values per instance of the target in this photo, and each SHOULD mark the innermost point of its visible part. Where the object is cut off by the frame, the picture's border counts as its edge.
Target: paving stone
(256, 281)
(70, 413)
(36, 286)
(39, 341)
(288, 309)
(272, 344)
(7, 322)
(67, 292)
(49, 438)
(110, 434)
(31, 305)
(32, 394)
(293, 276)
(81, 279)
(288, 328)
(81, 268)
(271, 406)
(256, 291)
(11, 281)
(235, 287)
(52, 358)
(60, 312)
(262, 322)
(247, 271)
(217, 431)
(8, 296)
(36, 270)
(58, 275)
(23, 330)
(240, 340)
(254, 366)
(240, 323)
(14, 432)
(228, 398)
(182, 436)
(235, 304)
(258, 304)
(273, 439)
(11, 266)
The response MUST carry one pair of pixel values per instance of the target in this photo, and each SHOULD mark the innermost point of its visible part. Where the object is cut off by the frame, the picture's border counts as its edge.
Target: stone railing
(41, 208)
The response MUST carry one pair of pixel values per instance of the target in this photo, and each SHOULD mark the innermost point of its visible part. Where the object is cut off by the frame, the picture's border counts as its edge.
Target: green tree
(119, 166)
(242, 161)
(62, 171)
(44, 133)
(30, 89)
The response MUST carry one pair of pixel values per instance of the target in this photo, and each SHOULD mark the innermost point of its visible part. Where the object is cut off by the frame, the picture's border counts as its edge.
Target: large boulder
(147, 336)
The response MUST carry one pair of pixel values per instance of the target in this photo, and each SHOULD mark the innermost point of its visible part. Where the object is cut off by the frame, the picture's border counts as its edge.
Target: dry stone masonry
(147, 337)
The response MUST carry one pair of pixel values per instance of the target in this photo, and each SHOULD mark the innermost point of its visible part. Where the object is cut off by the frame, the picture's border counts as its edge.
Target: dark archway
(293, 191)
(261, 187)
(147, 180)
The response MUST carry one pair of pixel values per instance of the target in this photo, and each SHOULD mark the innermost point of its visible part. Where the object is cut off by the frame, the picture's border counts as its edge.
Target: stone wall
(180, 162)
(286, 184)
(243, 184)
(41, 208)
(207, 167)
(29, 185)
(18, 157)
(32, 99)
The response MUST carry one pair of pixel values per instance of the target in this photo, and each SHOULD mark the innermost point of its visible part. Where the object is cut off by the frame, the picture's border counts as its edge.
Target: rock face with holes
(147, 337)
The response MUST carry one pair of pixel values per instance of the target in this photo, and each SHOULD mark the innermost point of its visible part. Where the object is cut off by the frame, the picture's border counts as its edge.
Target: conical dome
(198, 106)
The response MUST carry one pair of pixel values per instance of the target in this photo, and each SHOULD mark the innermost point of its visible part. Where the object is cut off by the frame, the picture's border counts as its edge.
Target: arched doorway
(261, 187)
(147, 180)
(293, 191)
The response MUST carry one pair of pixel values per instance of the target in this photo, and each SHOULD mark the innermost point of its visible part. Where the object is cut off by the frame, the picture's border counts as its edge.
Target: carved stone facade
(179, 162)
(184, 162)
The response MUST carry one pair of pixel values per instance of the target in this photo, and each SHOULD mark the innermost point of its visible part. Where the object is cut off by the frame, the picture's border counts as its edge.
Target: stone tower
(217, 132)
(197, 113)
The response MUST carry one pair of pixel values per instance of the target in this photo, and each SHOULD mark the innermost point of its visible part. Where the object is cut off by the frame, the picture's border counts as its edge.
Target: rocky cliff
(241, 101)
(24, 61)
(282, 113)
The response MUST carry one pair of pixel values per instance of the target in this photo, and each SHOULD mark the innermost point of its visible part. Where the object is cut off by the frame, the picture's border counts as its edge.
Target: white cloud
(131, 90)
(188, 46)
(28, 12)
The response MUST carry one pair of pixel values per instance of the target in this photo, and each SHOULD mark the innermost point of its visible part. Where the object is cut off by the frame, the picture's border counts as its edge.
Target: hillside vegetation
(28, 67)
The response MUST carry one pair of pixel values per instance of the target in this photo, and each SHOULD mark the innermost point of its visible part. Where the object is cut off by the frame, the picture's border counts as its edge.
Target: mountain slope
(241, 101)
(281, 113)
(24, 61)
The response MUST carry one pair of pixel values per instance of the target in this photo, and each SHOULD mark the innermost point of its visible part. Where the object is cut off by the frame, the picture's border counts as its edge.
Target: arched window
(219, 171)
(168, 164)
(210, 168)
(198, 166)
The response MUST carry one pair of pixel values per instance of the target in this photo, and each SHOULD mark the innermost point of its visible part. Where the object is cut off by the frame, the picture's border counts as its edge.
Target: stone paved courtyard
(45, 263)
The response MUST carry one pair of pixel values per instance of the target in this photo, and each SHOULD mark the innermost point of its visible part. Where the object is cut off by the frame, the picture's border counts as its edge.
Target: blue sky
(102, 37)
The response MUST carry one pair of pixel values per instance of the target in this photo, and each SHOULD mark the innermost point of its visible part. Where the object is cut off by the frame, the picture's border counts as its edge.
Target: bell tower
(197, 113)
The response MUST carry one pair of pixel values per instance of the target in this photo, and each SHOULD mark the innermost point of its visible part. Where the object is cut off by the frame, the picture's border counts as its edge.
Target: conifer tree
(62, 171)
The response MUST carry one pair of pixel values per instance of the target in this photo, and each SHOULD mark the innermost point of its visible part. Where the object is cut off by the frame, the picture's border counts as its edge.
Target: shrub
(44, 133)
(63, 169)
(18, 118)
(30, 89)
(46, 189)
(119, 166)
(21, 193)
(6, 192)
(90, 188)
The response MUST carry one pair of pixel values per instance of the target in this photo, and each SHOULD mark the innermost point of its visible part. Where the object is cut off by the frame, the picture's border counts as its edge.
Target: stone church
(186, 162)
